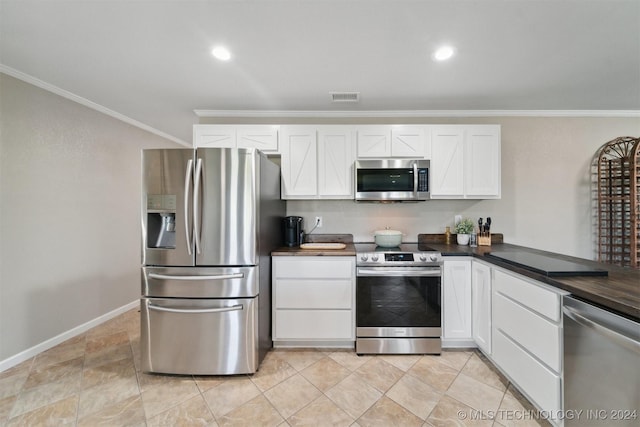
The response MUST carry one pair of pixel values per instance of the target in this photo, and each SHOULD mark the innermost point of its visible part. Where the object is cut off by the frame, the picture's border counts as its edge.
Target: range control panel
(398, 258)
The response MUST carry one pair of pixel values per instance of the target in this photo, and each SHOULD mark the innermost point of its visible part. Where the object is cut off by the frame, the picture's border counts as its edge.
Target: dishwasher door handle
(195, 310)
(619, 338)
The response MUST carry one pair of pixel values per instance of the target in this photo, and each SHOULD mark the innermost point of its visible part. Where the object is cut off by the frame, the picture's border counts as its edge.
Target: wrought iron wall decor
(616, 189)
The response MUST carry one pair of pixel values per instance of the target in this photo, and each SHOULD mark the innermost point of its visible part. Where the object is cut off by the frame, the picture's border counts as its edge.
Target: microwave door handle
(187, 219)
(415, 179)
(196, 205)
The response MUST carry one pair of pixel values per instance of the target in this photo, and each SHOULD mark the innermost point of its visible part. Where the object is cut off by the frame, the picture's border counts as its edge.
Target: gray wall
(69, 214)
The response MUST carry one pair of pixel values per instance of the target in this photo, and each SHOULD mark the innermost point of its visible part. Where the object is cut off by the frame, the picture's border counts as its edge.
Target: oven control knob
(423, 257)
(374, 258)
(433, 258)
(364, 257)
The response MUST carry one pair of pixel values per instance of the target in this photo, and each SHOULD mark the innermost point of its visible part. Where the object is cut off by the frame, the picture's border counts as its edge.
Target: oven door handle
(363, 272)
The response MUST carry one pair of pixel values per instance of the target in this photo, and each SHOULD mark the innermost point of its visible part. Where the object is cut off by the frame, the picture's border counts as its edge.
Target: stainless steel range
(398, 299)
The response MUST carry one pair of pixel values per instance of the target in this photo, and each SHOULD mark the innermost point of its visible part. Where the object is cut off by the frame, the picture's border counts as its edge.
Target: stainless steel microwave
(392, 180)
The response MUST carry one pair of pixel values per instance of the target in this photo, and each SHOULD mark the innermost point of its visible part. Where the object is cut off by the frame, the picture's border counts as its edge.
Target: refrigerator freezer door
(200, 282)
(167, 227)
(226, 209)
(199, 336)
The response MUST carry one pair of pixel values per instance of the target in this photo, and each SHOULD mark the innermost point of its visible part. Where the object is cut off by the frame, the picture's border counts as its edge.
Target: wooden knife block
(484, 238)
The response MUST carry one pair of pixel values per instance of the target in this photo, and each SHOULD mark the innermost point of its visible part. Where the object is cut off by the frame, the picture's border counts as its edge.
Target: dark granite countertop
(619, 291)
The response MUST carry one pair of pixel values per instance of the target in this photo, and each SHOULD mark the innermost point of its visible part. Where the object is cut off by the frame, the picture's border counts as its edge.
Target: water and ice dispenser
(161, 221)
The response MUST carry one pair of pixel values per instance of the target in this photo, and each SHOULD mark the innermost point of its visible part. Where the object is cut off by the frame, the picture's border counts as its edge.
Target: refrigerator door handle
(211, 277)
(187, 181)
(196, 310)
(196, 205)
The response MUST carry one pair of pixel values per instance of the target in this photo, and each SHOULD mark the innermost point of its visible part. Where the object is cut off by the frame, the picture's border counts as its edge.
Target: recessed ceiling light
(443, 53)
(221, 53)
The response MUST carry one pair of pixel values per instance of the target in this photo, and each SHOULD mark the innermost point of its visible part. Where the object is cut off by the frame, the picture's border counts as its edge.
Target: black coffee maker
(292, 230)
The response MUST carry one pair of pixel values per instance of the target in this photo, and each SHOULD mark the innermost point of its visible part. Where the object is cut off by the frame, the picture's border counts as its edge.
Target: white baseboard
(458, 343)
(46, 345)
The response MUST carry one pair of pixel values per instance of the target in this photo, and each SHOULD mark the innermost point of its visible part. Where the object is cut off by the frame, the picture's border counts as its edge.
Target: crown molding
(90, 104)
(415, 113)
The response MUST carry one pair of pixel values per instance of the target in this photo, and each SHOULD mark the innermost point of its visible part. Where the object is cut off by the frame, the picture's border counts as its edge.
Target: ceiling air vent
(345, 96)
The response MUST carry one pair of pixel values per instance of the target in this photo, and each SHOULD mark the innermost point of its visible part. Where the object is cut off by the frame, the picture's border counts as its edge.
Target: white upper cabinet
(218, 136)
(374, 141)
(335, 162)
(465, 162)
(298, 146)
(482, 162)
(317, 162)
(408, 141)
(392, 141)
(262, 137)
(447, 161)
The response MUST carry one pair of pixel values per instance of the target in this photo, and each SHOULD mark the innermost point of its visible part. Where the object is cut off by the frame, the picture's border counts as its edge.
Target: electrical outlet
(319, 221)
(457, 219)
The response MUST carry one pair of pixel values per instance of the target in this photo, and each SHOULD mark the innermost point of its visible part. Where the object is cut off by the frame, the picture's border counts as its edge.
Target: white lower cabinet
(527, 337)
(456, 303)
(313, 301)
(481, 305)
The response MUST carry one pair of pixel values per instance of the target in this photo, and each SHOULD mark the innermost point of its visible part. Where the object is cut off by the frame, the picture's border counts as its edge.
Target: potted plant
(463, 230)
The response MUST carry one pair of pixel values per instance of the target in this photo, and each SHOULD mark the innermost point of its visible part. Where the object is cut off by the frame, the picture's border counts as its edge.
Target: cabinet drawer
(313, 324)
(538, 335)
(293, 293)
(314, 267)
(539, 383)
(538, 299)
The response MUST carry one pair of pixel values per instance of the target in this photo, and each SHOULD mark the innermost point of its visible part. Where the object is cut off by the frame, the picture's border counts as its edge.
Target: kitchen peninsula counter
(619, 291)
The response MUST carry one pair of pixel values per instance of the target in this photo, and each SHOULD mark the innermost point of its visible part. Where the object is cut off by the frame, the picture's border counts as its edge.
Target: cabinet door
(447, 161)
(482, 161)
(408, 141)
(298, 162)
(481, 305)
(335, 163)
(456, 303)
(264, 138)
(374, 141)
(218, 136)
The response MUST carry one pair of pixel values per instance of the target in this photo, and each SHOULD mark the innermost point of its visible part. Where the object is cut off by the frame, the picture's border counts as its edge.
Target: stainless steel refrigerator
(210, 219)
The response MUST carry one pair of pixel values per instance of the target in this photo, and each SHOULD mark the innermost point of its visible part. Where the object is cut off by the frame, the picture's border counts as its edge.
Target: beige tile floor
(94, 379)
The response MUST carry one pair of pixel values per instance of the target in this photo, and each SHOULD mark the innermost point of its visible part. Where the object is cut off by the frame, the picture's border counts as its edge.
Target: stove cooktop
(404, 247)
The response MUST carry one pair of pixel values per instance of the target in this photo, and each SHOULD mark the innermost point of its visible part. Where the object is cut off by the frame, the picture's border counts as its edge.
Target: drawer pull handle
(195, 310)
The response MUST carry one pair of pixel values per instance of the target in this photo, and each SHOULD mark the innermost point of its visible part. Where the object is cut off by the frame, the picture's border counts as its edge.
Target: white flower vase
(463, 239)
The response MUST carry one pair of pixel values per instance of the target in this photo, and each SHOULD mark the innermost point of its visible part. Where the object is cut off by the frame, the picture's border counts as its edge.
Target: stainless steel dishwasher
(601, 366)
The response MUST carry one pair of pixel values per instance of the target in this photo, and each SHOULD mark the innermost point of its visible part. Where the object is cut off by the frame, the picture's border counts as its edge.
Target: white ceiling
(150, 62)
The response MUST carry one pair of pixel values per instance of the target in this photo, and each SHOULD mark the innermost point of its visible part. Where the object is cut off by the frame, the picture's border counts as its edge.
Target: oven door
(398, 302)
